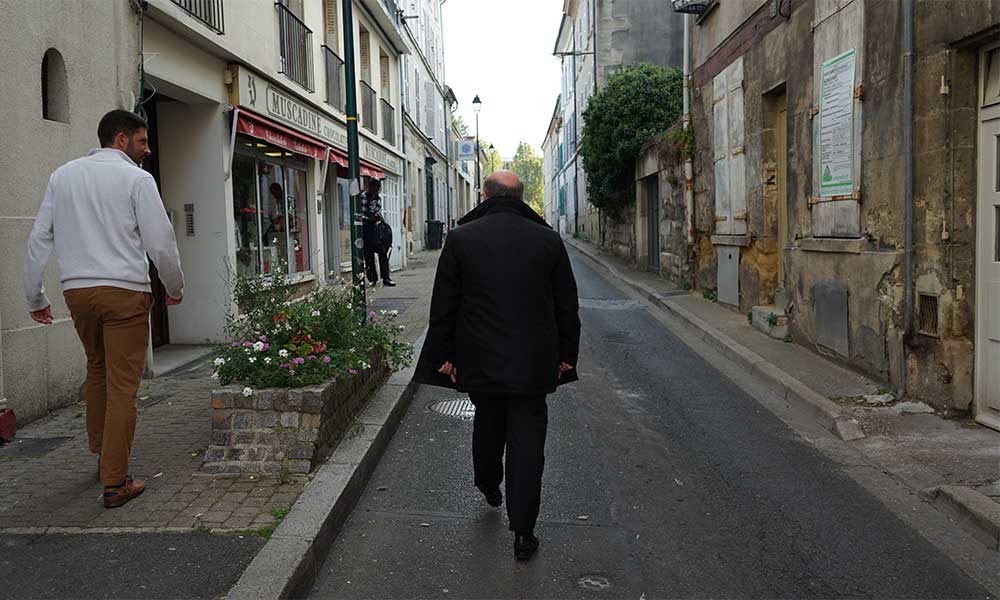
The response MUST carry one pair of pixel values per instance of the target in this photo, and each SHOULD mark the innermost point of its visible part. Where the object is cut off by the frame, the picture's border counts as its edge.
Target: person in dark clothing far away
(504, 327)
(372, 218)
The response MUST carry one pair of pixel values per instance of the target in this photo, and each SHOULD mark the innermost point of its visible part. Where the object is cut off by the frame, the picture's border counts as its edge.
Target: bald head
(503, 184)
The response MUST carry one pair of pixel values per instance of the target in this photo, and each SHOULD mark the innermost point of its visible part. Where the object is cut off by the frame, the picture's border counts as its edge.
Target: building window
(55, 88)
(271, 210)
(295, 41)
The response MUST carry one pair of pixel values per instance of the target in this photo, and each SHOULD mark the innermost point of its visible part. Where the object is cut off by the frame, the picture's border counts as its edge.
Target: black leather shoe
(493, 496)
(388, 283)
(525, 545)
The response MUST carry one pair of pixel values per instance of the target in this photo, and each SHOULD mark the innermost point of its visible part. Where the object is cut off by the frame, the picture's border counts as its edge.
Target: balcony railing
(388, 122)
(334, 79)
(208, 12)
(294, 38)
(369, 106)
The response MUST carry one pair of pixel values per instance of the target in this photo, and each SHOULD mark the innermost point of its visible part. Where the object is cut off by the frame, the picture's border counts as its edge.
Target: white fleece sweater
(103, 214)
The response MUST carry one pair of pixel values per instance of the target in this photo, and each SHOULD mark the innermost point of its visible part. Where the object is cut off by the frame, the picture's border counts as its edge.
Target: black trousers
(519, 424)
(383, 264)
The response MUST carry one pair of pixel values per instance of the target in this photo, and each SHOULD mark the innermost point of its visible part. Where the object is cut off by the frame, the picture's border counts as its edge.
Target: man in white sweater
(103, 215)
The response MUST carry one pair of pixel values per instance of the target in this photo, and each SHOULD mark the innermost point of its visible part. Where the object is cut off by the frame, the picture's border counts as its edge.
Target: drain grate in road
(460, 408)
(594, 583)
(604, 304)
(30, 447)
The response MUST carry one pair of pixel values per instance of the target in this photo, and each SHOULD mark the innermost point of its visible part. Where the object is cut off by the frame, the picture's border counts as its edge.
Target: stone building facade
(824, 239)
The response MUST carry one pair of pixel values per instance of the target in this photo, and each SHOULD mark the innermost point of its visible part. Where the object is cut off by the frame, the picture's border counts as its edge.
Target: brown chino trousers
(113, 324)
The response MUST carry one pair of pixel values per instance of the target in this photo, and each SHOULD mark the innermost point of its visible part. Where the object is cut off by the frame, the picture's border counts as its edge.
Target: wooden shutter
(729, 156)
(330, 20)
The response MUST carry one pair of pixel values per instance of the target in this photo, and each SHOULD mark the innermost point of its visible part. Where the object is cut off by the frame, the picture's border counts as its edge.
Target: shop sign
(260, 95)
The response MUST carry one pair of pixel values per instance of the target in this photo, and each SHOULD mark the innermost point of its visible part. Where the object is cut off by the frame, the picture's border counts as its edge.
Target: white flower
(315, 313)
(215, 375)
(247, 350)
(219, 361)
(283, 353)
(258, 346)
(394, 313)
(267, 360)
(381, 312)
(247, 392)
(253, 360)
(401, 327)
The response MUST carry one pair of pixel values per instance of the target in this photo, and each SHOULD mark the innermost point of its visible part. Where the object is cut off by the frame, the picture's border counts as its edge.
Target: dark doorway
(651, 186)
(159, 322)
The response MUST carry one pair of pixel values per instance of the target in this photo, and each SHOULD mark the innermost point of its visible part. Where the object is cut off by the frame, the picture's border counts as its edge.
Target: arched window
(55, 88)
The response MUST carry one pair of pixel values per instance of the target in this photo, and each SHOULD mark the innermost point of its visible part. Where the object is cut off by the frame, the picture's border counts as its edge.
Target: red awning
(271, 132)
(265, 129)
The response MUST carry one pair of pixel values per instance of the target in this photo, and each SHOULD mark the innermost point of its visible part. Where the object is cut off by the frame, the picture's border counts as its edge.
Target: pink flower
(248, 344)
(326, 360)
(352, 371)
(312, 357)
(266, 346)
(263, 338)
(371, 314)
(298, 360)
(236, 344)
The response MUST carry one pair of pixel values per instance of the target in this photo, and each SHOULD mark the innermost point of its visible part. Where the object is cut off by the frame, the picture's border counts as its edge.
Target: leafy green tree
(639, 102)
(528, 167)
(491, 160)
(460, 125)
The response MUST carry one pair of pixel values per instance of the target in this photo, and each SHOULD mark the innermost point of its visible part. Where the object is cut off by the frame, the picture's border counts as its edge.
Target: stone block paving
(59, 491)
(48, 477)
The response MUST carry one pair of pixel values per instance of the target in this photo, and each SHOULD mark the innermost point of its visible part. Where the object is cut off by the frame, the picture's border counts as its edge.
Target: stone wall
(867, 269)
(285, 430)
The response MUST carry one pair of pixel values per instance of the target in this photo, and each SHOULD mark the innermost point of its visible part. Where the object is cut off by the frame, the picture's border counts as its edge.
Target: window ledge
(731, 240)
(301, 278)
(833, 245)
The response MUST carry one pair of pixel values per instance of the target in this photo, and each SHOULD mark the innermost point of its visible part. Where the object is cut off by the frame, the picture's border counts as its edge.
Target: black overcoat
(505, 308)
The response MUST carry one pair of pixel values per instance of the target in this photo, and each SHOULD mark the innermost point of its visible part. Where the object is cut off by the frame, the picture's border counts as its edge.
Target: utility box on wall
(832, 329)
(729, 274)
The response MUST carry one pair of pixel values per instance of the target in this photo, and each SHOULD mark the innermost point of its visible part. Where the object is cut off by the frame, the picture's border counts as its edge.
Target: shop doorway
(159, 322)
(392, 212)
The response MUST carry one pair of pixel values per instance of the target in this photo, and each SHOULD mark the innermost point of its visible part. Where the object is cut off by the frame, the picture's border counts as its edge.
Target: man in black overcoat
(504, 328)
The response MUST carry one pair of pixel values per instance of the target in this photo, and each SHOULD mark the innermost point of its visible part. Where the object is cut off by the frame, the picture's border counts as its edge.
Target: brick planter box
(285, 430)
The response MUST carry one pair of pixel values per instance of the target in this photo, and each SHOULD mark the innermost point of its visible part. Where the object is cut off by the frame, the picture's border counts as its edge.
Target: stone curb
(832, 416)
(973, 508)
(287, 565)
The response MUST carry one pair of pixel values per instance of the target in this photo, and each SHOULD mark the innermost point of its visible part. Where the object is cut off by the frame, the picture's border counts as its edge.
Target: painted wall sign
(836, 126)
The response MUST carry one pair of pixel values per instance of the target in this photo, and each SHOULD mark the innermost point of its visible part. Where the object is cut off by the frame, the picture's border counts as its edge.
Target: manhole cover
(460, 408)
(30, 447)
(601, 304)
(387, 304)
(594, 583)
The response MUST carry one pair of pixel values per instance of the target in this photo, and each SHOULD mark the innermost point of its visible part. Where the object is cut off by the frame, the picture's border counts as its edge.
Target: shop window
(246, 227)
(55, 88)
(271, 212)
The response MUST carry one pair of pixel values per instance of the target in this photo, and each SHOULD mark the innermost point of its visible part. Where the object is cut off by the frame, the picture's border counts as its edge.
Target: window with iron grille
(388, 122)
(334, 79)
(369, 106)
(209, 12)
(928, 315)
(294, 42)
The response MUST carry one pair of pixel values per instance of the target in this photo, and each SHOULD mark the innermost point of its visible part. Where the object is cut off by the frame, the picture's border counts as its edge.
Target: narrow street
(663, 478)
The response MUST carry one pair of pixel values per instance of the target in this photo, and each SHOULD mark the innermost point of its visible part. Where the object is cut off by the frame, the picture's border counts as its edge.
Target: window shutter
(366, 57)
(429, 119)
(720, 146)
(384, 73)
(737, 155)
(330, 15)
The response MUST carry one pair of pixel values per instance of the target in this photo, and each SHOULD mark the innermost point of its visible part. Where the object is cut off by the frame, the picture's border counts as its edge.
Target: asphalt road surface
(663, 479)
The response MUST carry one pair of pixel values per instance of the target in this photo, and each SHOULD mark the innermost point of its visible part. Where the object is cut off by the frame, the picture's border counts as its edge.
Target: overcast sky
(502, 51)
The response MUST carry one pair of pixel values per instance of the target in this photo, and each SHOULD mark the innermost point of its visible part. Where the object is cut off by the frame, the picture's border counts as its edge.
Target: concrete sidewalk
(954, 463)
(50, 493)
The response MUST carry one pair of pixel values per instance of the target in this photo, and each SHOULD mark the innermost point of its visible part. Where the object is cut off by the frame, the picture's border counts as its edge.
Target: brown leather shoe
(117, 496)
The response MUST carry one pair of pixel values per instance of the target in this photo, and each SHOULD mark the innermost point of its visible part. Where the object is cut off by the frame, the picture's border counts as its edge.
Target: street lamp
(476, 105)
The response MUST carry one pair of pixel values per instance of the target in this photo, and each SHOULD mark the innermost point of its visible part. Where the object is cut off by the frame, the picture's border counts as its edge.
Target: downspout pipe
(908, 19)
(688, 164)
